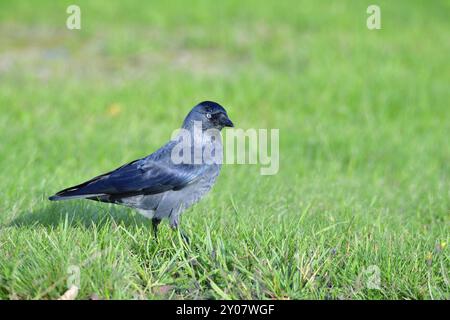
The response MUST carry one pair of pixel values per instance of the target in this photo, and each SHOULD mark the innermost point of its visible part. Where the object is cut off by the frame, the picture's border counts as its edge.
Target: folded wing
(143, 176)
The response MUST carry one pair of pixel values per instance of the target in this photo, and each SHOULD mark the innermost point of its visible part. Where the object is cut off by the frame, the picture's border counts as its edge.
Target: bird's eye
(208, 115)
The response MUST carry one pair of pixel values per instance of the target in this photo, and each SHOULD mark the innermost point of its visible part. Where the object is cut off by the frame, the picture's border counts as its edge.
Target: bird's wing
(144, 176)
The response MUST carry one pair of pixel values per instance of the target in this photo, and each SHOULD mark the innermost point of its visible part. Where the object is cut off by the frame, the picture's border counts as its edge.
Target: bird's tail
(73, 193)
(57, 197)
(85, 190)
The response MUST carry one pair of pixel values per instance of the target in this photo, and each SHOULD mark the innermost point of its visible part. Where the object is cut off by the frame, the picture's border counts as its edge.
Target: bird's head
(211, 114)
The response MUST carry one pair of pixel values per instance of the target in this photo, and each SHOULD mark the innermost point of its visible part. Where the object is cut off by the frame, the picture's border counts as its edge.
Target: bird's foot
(182, 234)
(185, 237)
(174, 222)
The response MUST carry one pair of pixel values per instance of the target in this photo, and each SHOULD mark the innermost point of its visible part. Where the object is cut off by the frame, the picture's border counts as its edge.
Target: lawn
(360, 208)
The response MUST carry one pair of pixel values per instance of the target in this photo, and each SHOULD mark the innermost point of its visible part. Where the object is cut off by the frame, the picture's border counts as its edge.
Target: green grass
(364, 148)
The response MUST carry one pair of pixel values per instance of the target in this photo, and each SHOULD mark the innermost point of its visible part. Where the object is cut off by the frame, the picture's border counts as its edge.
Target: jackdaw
(160, 185)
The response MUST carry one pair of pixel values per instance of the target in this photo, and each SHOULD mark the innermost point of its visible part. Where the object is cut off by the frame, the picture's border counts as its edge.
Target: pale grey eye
(208, 115)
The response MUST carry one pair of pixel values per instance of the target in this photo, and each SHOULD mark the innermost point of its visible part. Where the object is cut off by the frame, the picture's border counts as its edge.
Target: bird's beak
(225, 121)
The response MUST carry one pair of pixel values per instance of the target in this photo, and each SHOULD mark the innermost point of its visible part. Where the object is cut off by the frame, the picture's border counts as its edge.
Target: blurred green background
(364, 148)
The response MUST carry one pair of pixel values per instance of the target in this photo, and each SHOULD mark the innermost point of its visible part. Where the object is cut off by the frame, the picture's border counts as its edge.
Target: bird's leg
(155, 223)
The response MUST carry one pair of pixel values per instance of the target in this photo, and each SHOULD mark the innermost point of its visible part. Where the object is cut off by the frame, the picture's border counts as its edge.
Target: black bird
(157, 186)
